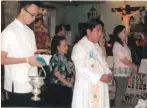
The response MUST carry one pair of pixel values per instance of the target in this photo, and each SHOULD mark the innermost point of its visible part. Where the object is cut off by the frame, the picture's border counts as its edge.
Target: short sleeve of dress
(6, 40)
(54, 65)
(118, 51)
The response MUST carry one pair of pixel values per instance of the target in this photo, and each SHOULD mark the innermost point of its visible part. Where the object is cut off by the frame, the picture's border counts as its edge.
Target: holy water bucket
(37, 82)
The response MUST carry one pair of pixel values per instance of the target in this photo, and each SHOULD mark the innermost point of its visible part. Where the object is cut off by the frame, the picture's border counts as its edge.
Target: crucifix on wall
(126, 13)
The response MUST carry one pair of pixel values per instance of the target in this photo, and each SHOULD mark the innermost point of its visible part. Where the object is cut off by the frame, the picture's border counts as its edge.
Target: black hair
(126, 9)
(56, 41)
(26, 4)
(40, 18)
(58, 28)
(117, 30)
(89, 25)
(93, 23)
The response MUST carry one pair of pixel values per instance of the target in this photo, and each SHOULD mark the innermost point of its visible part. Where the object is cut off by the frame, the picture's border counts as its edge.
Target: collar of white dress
(19, 23)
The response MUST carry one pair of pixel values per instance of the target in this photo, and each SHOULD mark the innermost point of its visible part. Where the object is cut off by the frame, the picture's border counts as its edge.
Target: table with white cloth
(138, 90)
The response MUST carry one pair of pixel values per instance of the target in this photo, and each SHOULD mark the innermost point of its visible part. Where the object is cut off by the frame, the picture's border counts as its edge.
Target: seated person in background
(136, 43)
(59, 31)
(142, 44)
(42, 39)
(142, 40)
(59, 90)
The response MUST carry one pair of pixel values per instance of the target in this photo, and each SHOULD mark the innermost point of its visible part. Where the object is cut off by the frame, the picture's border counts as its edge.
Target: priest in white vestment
(92, 72)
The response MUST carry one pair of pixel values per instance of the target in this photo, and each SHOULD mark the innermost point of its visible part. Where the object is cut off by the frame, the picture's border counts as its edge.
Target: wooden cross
(129, 9)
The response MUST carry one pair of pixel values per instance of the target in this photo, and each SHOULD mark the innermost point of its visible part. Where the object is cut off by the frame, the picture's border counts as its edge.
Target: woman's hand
(134, 68)
(69, 84)
(102, 42)
(60, 77)
(72, 79)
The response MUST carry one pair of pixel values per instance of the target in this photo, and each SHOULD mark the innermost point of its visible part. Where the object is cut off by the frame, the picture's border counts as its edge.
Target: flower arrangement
(141, 104)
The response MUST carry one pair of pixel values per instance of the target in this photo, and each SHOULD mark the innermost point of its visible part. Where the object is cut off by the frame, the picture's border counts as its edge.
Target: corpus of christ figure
(124, 13)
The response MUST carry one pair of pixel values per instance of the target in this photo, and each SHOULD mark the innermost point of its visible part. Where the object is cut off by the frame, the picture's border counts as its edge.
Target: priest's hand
(105, 78)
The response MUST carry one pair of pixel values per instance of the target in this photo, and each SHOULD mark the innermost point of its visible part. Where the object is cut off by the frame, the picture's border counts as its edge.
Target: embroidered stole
(95, 89)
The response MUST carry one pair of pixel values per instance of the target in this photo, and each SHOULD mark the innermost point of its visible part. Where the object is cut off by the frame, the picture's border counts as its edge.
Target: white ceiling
(75, 3)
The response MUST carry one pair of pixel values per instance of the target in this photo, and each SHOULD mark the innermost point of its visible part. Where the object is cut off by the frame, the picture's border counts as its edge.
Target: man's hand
(33, 61)
(106, 78)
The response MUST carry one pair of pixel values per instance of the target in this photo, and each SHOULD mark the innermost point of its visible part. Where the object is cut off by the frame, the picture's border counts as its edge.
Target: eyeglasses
(30, 13)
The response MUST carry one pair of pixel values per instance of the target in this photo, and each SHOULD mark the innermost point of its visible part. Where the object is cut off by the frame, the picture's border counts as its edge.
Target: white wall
(60, 14)
(77, 14)
(9, 14)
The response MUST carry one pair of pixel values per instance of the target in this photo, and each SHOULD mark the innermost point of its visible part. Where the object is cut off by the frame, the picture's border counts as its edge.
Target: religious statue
(42, 39)
(126, 16)
(42, 11)
(93, 14)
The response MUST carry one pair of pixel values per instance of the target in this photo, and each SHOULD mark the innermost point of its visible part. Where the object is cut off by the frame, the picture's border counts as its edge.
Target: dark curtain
(2, 16)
